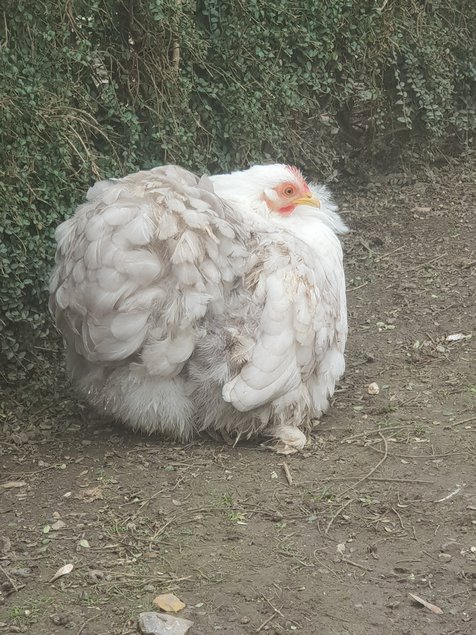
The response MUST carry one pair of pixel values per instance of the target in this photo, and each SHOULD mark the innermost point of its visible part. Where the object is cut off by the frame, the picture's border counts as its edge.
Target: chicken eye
(288, 191)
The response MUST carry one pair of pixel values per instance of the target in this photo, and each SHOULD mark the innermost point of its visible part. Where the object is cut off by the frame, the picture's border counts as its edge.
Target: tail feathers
(145, 403)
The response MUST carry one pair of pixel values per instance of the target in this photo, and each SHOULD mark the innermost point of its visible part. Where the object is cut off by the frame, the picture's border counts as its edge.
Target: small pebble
(152, 623)
(446, 557)
(373, 388)
(59, 524)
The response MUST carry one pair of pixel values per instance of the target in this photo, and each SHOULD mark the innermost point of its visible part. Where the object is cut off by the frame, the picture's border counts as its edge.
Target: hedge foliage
(90, 89)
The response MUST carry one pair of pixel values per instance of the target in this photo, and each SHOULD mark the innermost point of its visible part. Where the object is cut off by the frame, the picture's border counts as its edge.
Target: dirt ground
(380, 505)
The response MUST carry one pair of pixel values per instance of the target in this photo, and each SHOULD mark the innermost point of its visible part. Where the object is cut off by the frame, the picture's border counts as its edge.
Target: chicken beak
(308, 199)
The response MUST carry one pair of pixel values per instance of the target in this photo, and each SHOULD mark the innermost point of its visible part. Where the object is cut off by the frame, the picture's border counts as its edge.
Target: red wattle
(289, 209)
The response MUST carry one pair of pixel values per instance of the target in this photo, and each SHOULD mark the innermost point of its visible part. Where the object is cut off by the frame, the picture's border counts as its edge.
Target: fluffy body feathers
(188, 305)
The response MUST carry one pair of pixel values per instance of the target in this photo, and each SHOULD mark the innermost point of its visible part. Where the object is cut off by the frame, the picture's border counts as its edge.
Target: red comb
(297, 172)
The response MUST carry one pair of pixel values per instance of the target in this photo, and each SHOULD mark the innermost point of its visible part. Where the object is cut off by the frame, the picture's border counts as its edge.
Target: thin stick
(176, 47)
(458, 423)
(162, 529)
(368, 432)
(399, 518)
(432, 607)
(375, 468)
(355, 564)
(267, 621)
(341, 509)
(428, 262)
(94, 617)
(389, 253)
(456, 491)
(417, 456)
(381, 480)
(12, 582)
(278, 611)
(287, 473)
(349, 289)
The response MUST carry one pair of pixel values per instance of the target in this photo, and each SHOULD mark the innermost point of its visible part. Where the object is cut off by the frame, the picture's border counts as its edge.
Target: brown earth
(381, 504)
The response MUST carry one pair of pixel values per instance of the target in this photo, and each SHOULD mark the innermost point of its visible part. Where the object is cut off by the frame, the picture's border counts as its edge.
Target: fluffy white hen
(214, 304)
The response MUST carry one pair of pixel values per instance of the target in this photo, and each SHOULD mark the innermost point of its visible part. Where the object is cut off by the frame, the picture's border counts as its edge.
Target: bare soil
(380, 505)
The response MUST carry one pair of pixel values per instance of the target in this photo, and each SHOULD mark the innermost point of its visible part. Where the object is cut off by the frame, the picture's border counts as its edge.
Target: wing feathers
(139, 264)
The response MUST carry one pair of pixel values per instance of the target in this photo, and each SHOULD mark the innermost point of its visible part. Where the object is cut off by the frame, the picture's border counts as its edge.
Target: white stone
(152, 623)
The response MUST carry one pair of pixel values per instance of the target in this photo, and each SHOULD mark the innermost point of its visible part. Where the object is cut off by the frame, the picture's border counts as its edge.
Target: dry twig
(381, 479)
(355, 564)
(339, 511)
(287, 473)
(459, 423)
(11, 580)
(374, 469)
(349, 289)
(445, 498)
(94, 617)
(267, 621)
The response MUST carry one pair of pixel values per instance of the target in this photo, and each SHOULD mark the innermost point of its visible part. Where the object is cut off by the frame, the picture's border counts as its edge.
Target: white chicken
(214, 304)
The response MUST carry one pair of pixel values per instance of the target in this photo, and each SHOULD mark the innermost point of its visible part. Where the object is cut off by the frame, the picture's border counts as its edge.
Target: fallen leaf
(84, 543)
(432, 607)
(168, 602)
(64, 570)
(92, 494)
(13, 484)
